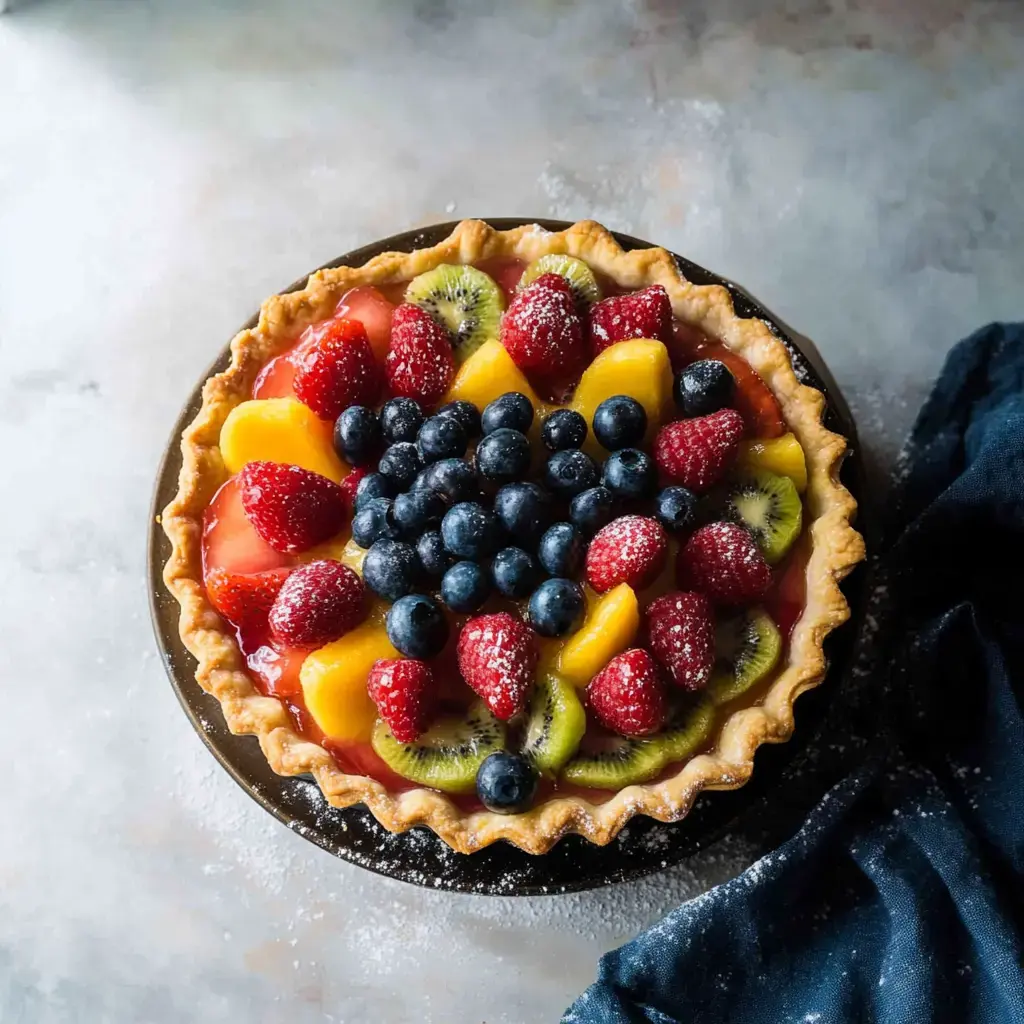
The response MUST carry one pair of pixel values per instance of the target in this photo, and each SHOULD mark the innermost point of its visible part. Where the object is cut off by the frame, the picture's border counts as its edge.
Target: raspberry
(542, 331)
(723, 561)
(630, 549)
(419, 363)
(318, 603)
(681, 633)
(497, 655)
(403, 690)
(696, 453)
(643, 314)
(628, 694)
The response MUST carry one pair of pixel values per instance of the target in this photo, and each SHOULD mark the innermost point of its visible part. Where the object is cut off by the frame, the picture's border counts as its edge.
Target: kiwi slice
(768, 505)
(618, 761)
(555, 723)
(585, 289)
(464, 299)
(747, 648)
(448, 754)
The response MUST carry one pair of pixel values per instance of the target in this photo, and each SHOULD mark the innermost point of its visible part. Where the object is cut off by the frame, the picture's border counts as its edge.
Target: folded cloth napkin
(901, 899)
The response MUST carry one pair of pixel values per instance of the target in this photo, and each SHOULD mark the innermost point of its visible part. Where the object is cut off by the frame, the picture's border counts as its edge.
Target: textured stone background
(859, 166)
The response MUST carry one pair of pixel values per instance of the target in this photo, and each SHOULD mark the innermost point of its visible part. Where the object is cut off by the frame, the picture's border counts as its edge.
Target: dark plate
(418, 856)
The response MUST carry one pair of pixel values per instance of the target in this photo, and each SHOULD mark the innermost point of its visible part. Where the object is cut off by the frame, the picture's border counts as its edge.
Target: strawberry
(318, 603)
(542, 331)
(643, 314)
(497, 655)
(628, 694)
(630, 549)
(419, 363)
(681, 633)
(403, 690)
(368, 305)
(291, 508)
(336, 369)
(696, 453)
(245, 599)
(723, 561)
(350, 485)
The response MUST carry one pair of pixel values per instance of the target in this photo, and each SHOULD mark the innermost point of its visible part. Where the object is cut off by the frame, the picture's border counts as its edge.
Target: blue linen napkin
(901, 899)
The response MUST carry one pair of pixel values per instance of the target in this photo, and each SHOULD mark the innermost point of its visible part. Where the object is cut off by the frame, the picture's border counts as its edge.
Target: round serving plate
(418, 856)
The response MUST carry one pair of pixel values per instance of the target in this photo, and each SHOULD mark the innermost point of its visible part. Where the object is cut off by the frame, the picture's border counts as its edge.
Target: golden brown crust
(836, 547)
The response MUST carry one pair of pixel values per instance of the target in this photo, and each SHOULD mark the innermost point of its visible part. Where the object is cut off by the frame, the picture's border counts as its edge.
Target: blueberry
(465, 587)
(676, 508)
(390, 569)
(454, 480)
(424, 480)
(515, 573)
(373, 485)
(564, 428)
(400, 463)
(524, 509)
(433, 555)
(620, 422)
(400, 420)
(561, 550)
(630, 473)
(373, 521)
(466, 413)
(357, 435)
(441, 437)
(417, 626)
(417, 511)
(592, 509)
(556, 607)
(503, 455)
(470, 531)
(511, 411)
(704, 387)
(506, 783)
(570, 472)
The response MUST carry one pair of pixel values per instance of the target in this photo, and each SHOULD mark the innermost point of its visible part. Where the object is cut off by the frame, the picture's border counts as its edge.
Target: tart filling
(518, 535)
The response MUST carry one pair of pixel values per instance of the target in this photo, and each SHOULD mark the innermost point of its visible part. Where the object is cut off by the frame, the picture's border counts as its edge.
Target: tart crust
(836, 546)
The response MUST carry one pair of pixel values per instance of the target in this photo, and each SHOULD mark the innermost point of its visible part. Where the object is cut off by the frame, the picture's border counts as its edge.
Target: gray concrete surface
(859, 166)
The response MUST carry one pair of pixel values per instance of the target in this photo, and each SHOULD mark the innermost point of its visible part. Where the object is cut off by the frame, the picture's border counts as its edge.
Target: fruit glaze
(502, 541)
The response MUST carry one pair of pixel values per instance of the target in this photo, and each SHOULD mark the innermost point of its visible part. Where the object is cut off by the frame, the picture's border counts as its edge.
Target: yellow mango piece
(488, 373)
(279, 430)
(780, 455)
(611, 623)
(639, 368)
(334, 681)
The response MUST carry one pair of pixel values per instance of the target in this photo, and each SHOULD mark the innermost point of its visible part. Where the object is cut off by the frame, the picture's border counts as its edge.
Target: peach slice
(334, 680)
(780, 455)
(488, 373)
(279, 430)
(639, 368)
(611, 623)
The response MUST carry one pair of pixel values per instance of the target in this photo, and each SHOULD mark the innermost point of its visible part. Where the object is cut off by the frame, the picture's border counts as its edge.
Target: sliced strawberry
(681, 631)
(291, 508)
(277, 671)
(369, 306)
(628, 695)
(542, 331)
(696, 453)
(230, 542)
(404, 691)
(335, 368)
(630, 549)
(643, 314)
(497, 657)
(419, 363)
(505, 270)
(318, 603)
(245, 599)
(276, 379)
(723, 561)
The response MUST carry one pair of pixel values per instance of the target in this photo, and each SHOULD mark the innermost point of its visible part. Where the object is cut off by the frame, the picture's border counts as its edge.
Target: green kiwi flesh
(619, 761)
(555, 723)
(585, 289)
(768, 505)
(463, 299)
(747, 648)
(448, 754)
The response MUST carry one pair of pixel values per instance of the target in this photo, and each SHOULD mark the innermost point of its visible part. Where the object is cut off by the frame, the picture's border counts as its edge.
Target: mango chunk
(780, 455)
(611, 623)
(488, 373)
(279, 430)
(333, 681)
(638, 368)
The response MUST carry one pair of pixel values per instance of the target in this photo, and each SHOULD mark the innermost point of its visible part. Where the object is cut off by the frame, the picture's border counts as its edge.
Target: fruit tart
(514, 536)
